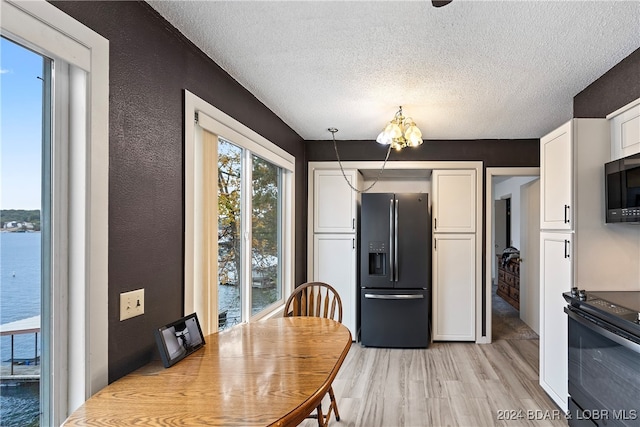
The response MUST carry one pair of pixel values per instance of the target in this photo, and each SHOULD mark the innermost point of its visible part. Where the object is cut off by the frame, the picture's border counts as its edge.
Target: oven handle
(604, 332)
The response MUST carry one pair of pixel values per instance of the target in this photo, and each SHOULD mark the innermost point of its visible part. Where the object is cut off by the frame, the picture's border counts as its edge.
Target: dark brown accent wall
(150, 64)
(614, 89)
(493, 152)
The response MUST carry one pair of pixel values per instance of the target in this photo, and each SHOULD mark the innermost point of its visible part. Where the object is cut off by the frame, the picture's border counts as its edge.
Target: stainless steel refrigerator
(395, 270)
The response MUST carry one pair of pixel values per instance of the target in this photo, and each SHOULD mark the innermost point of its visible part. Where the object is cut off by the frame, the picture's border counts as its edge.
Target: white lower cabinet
(454, 287)
(555, 278)
(334, 262)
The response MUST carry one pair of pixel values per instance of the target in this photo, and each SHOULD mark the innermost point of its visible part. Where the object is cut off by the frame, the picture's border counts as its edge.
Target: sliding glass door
(249, 234)
(25, 187)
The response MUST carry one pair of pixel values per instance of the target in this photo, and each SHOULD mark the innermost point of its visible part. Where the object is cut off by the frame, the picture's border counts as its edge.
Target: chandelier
(400, 132)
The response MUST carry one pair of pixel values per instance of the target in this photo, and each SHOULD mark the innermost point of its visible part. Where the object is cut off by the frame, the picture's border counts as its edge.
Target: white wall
(511, 188)
(606, 256)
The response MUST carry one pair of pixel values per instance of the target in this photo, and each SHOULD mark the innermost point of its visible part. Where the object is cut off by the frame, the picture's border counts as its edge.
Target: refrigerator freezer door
(395, 318)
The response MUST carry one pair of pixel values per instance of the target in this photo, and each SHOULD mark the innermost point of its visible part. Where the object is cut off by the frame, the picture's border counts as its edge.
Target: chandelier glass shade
(400, 132)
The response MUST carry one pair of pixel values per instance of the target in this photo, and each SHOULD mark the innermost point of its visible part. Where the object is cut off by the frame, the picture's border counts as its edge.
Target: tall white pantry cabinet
(454, 255)
(335, 223)
(571, 216)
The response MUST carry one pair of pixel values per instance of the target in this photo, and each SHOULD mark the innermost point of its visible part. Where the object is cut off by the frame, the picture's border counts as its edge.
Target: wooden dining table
(273, 372)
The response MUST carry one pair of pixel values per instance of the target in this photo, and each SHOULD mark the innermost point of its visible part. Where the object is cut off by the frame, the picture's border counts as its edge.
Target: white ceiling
(471, 69)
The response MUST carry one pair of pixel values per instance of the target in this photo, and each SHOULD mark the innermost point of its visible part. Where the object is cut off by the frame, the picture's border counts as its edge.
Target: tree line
(20, 215)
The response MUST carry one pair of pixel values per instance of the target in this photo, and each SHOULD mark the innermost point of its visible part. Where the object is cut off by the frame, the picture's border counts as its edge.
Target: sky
(20, 127)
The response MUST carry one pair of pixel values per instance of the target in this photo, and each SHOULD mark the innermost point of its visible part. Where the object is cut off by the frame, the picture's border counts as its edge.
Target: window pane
(22, 100)
(229, 234)
(265, 230)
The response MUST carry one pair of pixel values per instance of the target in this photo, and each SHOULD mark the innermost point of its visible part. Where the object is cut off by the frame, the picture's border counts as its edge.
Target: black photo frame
(178, 339)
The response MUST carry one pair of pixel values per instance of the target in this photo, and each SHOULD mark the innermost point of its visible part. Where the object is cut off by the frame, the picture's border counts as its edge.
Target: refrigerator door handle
(398, 296)
(391, 247)
(395, 246)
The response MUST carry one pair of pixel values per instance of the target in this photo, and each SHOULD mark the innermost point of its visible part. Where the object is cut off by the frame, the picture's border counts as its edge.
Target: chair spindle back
(316, 299)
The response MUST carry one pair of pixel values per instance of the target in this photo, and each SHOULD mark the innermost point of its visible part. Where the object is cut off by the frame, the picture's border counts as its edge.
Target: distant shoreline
(17, 220)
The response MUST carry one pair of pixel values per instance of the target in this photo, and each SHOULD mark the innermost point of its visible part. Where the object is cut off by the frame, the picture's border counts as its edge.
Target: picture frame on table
(179, 339)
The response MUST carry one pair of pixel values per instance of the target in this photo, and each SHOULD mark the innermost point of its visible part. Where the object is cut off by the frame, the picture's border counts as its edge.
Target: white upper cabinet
(625, 130)
(335, 204)
(556, 178)
(454, 201)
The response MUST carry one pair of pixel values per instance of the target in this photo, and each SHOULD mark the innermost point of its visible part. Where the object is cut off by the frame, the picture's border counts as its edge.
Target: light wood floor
(448, 384)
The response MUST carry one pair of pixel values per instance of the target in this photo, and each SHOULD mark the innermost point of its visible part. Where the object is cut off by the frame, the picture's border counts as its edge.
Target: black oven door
(604, 373)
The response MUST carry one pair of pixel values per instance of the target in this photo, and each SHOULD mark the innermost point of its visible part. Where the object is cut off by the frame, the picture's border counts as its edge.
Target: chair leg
(321, 422)
(333, 403)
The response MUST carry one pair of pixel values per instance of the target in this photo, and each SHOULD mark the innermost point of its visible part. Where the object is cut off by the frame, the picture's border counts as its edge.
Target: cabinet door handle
(567, 210)
(353, 223)
(435, 223)
(566, 249)
(353, 243)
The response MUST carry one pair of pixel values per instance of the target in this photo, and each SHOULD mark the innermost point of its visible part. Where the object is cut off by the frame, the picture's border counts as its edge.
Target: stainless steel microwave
(622, 189)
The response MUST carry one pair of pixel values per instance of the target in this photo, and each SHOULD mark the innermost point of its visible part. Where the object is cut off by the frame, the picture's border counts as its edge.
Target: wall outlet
(131, 304)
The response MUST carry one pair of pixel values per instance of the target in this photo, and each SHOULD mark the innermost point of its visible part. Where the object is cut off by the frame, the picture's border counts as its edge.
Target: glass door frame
(75, 331)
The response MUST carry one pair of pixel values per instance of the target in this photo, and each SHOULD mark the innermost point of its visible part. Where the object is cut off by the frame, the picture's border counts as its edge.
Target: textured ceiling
(472, 69)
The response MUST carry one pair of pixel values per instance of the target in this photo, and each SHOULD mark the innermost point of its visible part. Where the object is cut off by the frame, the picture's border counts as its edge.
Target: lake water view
(19, 299)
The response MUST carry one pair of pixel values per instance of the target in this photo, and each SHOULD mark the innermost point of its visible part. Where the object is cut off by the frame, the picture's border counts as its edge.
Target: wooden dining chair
(317, 299)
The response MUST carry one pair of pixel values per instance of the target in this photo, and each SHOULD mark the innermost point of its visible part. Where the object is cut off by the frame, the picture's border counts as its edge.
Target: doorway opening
(512, 239)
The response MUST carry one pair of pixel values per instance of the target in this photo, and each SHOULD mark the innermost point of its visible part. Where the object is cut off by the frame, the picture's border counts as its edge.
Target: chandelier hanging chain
(335, 147)
(401, 132)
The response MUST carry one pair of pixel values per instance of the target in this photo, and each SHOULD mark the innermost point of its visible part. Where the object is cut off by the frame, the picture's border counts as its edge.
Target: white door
(530, 254)
(556, 172)
(555, 278)
(454, 287)
(334, 262)
(454, 201)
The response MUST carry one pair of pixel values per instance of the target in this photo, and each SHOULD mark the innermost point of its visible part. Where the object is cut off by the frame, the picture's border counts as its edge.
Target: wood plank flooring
(448, 384)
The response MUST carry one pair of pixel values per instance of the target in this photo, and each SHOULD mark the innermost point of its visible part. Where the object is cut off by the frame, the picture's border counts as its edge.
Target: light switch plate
(131, 304)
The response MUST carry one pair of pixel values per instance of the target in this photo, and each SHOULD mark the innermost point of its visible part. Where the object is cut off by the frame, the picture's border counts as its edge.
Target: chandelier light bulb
(383, 138)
